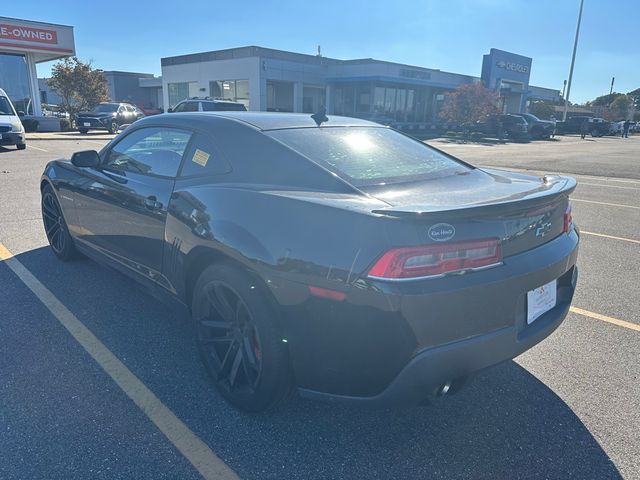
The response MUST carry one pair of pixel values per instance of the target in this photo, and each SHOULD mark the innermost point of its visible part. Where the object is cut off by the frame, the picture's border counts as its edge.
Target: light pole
(564, 87)
(573, 61)
(613, 79)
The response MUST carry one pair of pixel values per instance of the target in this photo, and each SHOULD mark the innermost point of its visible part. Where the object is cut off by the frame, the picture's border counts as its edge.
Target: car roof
(265, 120)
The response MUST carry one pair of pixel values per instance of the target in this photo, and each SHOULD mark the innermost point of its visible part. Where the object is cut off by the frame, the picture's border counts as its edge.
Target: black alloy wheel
(113, 128)
(55, 226)
(231, 339)
(238, 339)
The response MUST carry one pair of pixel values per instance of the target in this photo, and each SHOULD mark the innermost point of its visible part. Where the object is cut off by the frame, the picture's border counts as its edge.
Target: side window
(153, 150)
(129, 108)
(208, 107)
(203, 157)
(180, 107)
(190, 107)
(121, 109)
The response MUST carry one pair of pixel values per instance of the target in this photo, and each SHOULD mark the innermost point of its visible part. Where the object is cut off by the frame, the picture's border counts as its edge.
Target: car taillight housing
(568, 220)
(436, 260)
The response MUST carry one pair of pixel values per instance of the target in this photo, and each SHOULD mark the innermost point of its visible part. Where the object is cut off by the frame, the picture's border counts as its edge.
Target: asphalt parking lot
(568, 408)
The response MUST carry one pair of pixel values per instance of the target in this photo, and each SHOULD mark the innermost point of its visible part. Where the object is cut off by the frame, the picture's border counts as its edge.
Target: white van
(11, 129)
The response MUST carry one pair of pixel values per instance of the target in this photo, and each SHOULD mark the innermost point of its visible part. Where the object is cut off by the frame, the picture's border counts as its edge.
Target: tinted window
(5, 107)
(222, 106)
(155, 151)
(369, 155)
(186, 107)
(203, 157)
(105, 108)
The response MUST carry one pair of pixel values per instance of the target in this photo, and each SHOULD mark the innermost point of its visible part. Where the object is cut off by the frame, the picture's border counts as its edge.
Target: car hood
(472, 189)
(95, 115)
(7, 120)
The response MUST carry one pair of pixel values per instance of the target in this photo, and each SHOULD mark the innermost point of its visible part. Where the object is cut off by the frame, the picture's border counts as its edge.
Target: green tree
(619, 108)
(469, 103)
(542, 109)
(80, 86)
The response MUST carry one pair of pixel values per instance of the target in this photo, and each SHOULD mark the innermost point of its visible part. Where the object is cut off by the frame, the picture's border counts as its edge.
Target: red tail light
(568, 219)
(431, 260)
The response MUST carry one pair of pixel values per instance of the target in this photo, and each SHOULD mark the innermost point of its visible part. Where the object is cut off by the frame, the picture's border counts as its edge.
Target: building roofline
(38, 21)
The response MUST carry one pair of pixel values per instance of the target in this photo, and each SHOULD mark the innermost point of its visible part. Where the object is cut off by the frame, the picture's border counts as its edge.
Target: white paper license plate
(87, 124)
(541, 300)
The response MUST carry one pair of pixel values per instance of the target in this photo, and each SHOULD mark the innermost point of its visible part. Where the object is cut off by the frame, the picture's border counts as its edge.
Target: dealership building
(23, 44)
(265, 79)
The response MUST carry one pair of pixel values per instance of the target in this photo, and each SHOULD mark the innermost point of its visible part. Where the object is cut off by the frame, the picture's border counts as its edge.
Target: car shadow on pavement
(504, 424)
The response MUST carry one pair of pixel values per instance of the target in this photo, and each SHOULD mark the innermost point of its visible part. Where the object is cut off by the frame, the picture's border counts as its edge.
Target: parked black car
(108, 116)
(537, 128)
(207, 104)
(347, 259)
(596, 127)
(513, 126)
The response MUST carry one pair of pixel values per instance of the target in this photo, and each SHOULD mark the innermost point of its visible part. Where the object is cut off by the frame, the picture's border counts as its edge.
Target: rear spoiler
(551, 189)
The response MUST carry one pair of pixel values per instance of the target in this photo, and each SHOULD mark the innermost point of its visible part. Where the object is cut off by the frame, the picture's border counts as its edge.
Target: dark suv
(538, 128)
(207, 105)
(513, 126)
(108, 116)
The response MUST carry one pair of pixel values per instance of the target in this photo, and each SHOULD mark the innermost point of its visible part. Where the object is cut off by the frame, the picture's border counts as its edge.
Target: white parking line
(609, 236)
(194, 450)
(604, 203)
(37, 148)
(609, 186)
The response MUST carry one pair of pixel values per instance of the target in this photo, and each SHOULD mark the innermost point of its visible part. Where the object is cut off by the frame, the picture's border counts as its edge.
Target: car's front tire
(55, 226)
(21, 146)
(239, 339)
(113, 128)
(83, 130)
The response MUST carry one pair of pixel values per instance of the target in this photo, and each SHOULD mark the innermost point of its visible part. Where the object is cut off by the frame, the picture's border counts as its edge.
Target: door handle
(152, 203)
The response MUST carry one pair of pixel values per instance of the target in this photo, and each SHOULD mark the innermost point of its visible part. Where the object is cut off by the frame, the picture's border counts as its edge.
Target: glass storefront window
(14, 80)
(389, 101)
(345, 100)
(181, 91)
(236, 90)
(279, 96)
(363, 98)
(378, 99)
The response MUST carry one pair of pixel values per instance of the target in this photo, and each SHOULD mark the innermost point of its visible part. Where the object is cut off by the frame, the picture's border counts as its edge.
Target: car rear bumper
(12, 138)
(432, 368)
(397, 343)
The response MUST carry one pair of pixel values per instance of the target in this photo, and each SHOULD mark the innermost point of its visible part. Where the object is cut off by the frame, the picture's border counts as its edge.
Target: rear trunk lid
(522, 211)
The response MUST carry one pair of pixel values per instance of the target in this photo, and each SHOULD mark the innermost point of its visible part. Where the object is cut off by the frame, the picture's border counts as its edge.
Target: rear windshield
(369, 155)
(105, 108)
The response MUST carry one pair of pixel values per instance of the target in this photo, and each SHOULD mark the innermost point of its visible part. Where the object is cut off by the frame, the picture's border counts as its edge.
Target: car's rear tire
(55, 226)
(239, 339)
(21, 146)
(83, 130)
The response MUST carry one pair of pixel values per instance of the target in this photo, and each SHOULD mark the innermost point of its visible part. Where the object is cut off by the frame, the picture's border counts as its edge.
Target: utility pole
(613, 79)
(573, 61)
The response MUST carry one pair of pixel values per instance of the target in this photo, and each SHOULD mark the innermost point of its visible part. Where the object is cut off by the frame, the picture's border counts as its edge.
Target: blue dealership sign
(500, 66)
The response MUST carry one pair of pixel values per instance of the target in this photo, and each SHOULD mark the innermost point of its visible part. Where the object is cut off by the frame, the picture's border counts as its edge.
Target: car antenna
(320, 116)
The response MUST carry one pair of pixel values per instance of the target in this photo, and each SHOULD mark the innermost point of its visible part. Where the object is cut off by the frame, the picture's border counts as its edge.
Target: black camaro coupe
(333, 256)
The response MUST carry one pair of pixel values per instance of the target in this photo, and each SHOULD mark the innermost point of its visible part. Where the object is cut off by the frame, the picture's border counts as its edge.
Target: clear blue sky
(450, 35)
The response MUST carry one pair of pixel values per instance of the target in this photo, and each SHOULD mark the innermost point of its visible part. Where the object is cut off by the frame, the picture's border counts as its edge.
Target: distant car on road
(207, 104)
(342, 258)
(11, 129)
(513, 126)
(108, 116)
(537, 128)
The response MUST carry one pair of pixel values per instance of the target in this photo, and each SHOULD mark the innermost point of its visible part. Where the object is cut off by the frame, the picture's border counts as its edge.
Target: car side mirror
(169, 110)
(20, 113)
(86, 158)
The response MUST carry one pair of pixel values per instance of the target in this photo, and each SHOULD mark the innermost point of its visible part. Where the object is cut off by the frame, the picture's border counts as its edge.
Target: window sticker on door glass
(200, 157)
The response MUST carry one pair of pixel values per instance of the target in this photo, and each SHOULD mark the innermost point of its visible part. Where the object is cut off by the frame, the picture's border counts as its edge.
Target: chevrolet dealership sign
(46, 41)
(514, 67)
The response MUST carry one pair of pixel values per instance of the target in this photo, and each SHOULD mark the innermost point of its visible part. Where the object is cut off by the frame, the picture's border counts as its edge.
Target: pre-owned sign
(28, 34)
